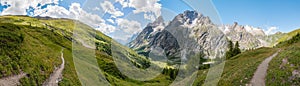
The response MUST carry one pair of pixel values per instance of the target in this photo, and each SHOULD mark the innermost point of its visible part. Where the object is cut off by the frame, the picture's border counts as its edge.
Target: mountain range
(201, 30)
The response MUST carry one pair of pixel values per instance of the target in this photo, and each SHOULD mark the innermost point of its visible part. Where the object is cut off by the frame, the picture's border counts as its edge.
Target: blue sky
(281, 14)
(284, 14)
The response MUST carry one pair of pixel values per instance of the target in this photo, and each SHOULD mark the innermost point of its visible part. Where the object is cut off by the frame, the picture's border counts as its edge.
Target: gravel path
(12, 80)
(56, 76)
(261, 72)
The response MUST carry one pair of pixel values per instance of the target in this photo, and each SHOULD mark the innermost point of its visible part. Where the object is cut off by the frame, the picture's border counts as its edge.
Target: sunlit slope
(284, 69)
(28, 46)
(238, 70)
(33, 45)
(288, 35)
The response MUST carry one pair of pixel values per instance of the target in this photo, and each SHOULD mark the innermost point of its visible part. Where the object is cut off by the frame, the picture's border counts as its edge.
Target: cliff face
(188, 33)
(192, 32)
(246, 35)
(249, 37)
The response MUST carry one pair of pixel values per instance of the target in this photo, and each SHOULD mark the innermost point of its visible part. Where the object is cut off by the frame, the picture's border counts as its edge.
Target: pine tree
(229, 52)
(236, 50)
(230, 46)
(233, 51)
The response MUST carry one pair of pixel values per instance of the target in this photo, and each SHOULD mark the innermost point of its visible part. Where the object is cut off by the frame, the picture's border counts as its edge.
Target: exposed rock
(295, 76)
(246, 35)
(12, 80)
(193, 31)
(196, 33)
(284, 62)
(296, 73)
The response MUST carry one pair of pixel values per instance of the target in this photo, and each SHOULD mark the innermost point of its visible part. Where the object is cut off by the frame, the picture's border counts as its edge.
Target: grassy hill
(288, 36)
(33, 49)
(33, 46)
(284, 69)
(240, 69)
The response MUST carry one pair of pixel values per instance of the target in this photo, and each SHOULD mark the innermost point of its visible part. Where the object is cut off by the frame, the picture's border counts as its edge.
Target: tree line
(233, 49)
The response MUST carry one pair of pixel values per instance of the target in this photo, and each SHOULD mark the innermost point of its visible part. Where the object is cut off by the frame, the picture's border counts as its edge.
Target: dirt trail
(12, 80)
(261, 72)
(56, 76)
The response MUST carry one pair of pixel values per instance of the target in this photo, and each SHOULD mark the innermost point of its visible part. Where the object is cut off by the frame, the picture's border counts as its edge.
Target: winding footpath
(261, 72)
(12, 80)
(56, 76)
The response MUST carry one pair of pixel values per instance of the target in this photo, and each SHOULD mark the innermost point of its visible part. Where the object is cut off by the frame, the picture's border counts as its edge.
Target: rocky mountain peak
(158, 22)
(148, 32)
(235, 27)
(195, 32)
(190, 29)
(190, 15)
(235, 24)
(190, 19)
(254, 31)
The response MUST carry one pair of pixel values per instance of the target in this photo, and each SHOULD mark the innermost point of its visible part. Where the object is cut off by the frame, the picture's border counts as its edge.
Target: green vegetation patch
(284, 69)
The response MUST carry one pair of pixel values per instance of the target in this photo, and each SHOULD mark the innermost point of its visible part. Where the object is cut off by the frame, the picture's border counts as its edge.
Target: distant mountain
(248, 37)
(193, 30)
(210, 38)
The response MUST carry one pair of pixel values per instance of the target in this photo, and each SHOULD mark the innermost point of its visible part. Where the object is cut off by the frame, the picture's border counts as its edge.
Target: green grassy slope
(240, 69)
(36, 54)
(288, 36)
(284, 69)
(33, 46)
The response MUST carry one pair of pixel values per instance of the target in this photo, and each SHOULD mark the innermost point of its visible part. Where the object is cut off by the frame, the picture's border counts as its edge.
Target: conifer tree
(233, 51)
(229, 52)
(236, 50)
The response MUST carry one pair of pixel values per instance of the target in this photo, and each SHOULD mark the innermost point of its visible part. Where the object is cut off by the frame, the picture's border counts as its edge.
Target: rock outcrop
(191, 32)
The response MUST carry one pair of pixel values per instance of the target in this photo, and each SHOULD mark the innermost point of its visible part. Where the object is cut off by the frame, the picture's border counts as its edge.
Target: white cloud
(76, 12)
(96, 9)
(271, 30)
(125, 29)
(110, 20)
(124, 3)
(125, 38)
(18, 7)
(151, 8)
(106, 29)
(149, 17)
(128, 26)
(53, 11)
(110, 8)
(91, 19)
